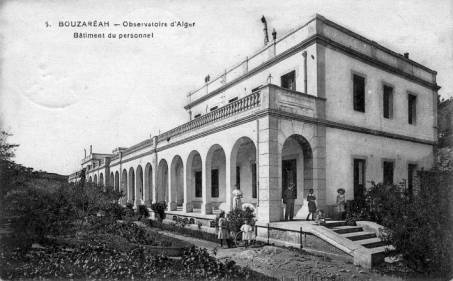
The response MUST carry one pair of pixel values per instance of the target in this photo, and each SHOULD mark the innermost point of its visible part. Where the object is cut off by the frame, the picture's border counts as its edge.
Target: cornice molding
(285, 115)
(318, 38)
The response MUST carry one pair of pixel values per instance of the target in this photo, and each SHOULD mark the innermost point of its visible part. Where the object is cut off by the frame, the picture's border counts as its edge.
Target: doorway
(359, 179)
(289, 174)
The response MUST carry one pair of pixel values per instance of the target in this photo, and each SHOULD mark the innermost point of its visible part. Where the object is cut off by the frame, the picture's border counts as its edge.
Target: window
(215, 183)
(197, 115)
(233, 100)
(388, 102)
(254, 191)
(213, 108)
(359, 178)
(198, 189)
(412, 108)
(238, 177)
(411, 172)
(288, 81)
(359, 93)
(388, 172)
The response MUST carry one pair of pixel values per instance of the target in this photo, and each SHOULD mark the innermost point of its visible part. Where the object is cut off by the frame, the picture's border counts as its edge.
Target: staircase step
(355, 236)
(372, 242)
(382, 249)
(331, 224)
(347, 229)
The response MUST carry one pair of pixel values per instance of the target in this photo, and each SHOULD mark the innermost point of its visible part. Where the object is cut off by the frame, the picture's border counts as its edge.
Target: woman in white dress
(237, 195)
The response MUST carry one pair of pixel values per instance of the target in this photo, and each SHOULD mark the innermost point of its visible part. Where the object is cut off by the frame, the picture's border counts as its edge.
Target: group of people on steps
(289, 196)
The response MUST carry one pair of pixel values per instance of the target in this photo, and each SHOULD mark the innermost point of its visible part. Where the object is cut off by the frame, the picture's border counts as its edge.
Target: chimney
(266, 36)
(274, 34)
(91, 149)
(406, 55)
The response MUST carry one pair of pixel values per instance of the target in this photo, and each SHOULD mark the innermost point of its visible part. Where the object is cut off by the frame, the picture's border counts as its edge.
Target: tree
(6, 149)
(8, 169)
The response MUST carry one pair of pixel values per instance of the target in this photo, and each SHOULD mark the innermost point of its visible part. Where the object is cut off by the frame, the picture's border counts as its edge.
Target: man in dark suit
(289, 197)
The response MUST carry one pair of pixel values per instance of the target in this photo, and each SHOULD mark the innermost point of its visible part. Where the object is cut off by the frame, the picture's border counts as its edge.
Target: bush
(35, 213)
(199, 263)
(237, 217)
(159, 208)
(115, 211)
(420, 226)
(142, 211)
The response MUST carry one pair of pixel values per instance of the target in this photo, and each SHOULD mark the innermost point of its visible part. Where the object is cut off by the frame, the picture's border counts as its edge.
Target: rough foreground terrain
(292, 264)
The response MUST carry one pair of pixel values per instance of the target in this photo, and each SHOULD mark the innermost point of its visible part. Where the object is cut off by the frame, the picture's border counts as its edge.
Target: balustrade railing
(243, 104)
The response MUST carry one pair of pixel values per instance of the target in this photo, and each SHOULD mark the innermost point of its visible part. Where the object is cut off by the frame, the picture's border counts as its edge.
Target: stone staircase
(370, 249)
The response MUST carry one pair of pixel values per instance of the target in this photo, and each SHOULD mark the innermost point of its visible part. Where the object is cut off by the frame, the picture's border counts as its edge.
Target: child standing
(223, 230)
(320, 217)
(311, 204)
(247, 232)
(341, 201)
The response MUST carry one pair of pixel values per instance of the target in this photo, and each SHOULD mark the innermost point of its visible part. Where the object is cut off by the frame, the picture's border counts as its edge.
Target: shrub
(421, 227)
(418, 225)
(237, 217)
(199, 263)
(115, 211)
(142, 211)
(159, 208)
(33, 215)
(36, 213)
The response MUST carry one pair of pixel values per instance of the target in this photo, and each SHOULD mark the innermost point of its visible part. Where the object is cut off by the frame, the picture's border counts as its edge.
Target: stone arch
(101, 179)
(194, 181)
(90, 179)
(139, 185)
(148, 190)
(111, 180)
(117, 181)
(216, 177)
(297, 167)
(243, 169)
(95, 179)
(177, 182)
(162, 181)
(124, 186)
(131, 186)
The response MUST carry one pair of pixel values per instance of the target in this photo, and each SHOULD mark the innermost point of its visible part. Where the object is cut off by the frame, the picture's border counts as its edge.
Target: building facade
(321, 107)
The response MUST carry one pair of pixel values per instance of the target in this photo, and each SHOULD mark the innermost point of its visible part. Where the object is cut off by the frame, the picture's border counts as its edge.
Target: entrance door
(359, 178)
(289, 174)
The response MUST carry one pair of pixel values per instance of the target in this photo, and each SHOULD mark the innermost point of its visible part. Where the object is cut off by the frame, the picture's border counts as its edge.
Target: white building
(321, 106)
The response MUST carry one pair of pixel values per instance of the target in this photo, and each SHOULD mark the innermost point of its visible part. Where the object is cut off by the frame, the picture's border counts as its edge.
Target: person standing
(237, 195)
(289, 197)
(247, 233)
(341, 202)
(223, 232)
(311, 204)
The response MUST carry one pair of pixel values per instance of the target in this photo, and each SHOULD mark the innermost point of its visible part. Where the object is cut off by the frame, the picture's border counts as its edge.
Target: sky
(59, 94)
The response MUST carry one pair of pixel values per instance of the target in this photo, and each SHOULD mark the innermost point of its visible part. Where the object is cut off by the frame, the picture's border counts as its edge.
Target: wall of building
(343, 146)
(339, 69)
(294, 62)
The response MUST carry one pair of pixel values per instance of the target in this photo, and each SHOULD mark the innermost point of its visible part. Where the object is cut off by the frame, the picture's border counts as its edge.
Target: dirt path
(287, 264)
